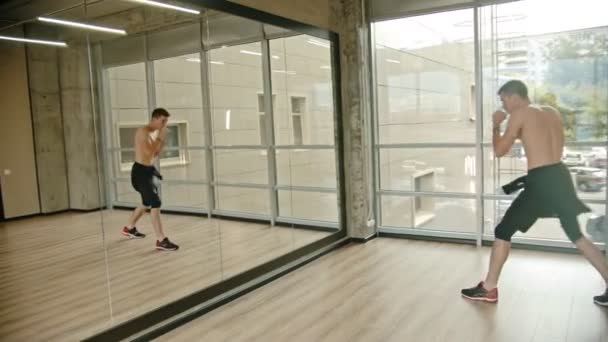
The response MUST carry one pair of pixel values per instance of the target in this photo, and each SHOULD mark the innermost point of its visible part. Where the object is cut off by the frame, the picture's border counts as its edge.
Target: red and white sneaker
(480, 293)
(132, 233)
(166, 245)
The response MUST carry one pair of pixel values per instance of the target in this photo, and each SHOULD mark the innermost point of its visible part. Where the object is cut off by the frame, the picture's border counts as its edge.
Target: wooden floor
(55, 284)
(404, 290)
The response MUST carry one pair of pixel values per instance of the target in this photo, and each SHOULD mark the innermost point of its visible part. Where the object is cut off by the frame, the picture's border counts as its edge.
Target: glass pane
(302, 81)
(428, 169)
(316, 168)
(308, 205)
(128, 103)
(187, 165)
(173, 42)
(184, 195)
(236, 84)
(243, 200)
(135, 265)
(426, 80)
(432, 213)
(241, 166)
(563, 61)
(246, 245)
(125, 194)
(226, 29)
(546, 228)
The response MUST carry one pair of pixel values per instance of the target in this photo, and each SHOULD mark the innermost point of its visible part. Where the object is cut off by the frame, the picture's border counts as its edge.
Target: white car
(574, 159)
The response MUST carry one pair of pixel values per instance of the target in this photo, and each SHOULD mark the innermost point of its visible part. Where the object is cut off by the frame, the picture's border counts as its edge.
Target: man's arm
(142, 138)
(160, 140)
(502, 144)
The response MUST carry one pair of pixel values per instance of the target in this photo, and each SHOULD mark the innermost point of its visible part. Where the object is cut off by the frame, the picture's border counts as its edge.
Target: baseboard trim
(364, 240)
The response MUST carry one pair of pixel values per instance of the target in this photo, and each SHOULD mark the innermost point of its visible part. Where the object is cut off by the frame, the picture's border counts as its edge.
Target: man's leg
(589, 251)
(130, 230)
(587, 248)
(500, 253)
(158, 226)
(162, 242)
(137, 214)
(594, 256)
(519, 216)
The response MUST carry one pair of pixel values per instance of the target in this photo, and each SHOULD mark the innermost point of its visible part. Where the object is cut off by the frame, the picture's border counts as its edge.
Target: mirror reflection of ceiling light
(81, 25)
(198, 60)
(34, 41)
(163, 5)
(253, 53)
(318, 43)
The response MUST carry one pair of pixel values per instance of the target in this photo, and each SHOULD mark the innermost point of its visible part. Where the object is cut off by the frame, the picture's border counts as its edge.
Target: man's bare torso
(144, 152)
(542, 135)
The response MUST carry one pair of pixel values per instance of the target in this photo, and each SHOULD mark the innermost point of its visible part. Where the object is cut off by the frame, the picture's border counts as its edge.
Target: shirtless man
(548, 189)
(147, 149)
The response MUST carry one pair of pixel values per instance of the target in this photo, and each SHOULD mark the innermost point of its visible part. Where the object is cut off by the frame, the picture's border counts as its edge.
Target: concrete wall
(17, 163)
(48, 125)
(79, 128)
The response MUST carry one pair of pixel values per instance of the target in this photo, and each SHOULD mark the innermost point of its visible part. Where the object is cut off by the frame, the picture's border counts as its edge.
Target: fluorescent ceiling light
(247, 52)
(393, 61)
(318, 43)
(326, 67)
(34, 41)
(285, 72)
(163, 5)
(81, 25)
(198, 60)
(275, 57)
(228, 112)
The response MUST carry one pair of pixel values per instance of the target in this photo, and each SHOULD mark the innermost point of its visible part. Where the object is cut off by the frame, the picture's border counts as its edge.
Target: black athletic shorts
(142, 179)
(549, 192)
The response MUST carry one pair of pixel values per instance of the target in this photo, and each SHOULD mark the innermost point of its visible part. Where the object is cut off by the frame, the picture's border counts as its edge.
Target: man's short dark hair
(514, 87)
(158, 112)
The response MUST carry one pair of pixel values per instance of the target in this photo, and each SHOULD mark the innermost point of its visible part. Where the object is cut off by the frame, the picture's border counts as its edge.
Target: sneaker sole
(480, 299)
(166, 249)
(600, 303)
(130, 236)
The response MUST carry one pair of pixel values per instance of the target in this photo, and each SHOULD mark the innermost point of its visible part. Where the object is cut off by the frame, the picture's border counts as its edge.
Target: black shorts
(549, 192)
(142, 179)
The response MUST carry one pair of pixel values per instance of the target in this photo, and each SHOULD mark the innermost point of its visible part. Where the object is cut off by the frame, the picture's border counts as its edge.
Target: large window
(430, 137)
(425, 105)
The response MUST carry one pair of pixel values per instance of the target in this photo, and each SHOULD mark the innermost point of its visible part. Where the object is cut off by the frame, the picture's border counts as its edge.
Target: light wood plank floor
(405, 290)
(53, 271)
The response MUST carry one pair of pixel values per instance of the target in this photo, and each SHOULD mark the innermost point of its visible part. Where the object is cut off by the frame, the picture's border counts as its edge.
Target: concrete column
(19, 190)
(79, 128)
(45, 100)
(356, 103)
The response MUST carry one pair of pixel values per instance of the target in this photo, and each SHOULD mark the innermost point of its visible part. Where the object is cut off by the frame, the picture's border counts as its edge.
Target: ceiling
(15, 11)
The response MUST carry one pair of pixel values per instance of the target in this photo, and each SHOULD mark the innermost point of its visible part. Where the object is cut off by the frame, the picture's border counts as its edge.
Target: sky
(528, 17)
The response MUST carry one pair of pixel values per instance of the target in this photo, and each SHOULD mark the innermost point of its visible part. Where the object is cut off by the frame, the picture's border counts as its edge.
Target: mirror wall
(249, 163)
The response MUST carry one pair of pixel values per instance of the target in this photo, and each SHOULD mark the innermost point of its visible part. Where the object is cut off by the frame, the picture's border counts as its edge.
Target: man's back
(542, 135)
